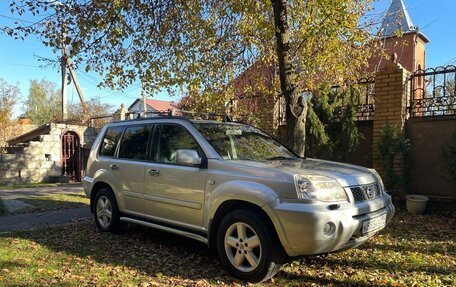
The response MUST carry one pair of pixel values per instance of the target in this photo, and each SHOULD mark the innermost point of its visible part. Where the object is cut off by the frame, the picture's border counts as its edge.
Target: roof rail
(181, 114)
(205, 116)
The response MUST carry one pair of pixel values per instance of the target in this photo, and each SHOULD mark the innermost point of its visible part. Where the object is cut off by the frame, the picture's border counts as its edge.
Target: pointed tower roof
(396, 19)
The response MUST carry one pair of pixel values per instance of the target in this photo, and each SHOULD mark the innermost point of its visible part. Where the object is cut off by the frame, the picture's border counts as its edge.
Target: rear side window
(108, 146)
(134, 143)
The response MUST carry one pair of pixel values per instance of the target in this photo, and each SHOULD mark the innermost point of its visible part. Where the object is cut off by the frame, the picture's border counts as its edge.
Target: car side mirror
(188, 157)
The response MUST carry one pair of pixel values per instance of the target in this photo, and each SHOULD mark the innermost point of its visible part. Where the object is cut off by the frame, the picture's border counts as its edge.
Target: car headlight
(319, 187)
(380, 181)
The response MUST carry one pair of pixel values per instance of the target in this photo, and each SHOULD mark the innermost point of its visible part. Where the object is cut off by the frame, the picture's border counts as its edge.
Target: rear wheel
(106, 211)
(247, 247)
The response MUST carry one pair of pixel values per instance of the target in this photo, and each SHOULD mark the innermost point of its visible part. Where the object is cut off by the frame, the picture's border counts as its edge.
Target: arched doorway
(71, 160)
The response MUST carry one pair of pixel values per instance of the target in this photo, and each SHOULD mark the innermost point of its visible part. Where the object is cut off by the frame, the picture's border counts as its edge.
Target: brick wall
(390, 107)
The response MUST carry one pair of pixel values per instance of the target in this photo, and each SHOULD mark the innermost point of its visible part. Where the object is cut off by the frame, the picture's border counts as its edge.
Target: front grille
(366, 192)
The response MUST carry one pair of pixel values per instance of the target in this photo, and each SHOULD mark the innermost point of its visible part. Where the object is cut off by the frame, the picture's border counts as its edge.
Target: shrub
(392, 146)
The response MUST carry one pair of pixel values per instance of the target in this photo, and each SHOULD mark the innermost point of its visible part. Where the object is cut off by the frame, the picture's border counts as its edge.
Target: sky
(19, 60)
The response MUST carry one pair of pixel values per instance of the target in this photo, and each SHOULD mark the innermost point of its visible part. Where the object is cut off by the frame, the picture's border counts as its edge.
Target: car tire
(247, 247)
(106, 212)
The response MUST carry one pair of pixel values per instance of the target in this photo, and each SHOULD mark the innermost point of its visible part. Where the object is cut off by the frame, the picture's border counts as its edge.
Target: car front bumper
(87, 184)
(301, 226)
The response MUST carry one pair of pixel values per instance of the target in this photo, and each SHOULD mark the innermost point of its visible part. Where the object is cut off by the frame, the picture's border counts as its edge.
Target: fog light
(329, 229)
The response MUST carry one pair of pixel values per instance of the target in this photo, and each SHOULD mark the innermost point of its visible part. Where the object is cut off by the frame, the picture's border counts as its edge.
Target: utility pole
(76, 85)
(144, 99)
(63, 64)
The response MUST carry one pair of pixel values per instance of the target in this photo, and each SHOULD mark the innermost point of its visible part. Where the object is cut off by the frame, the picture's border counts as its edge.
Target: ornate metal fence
(432, 92)
(366, 99)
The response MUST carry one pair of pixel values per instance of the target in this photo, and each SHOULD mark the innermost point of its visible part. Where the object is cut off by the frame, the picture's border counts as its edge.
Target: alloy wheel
(243, 247)
(104, 211)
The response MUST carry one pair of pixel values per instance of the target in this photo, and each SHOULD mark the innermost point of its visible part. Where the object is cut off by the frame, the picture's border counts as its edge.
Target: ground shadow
(158, 253)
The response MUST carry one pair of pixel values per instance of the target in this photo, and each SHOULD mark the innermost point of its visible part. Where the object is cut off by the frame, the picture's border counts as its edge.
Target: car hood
(345, 174)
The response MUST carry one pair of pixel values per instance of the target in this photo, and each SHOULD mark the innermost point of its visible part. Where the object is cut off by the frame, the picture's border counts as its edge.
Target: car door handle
(114, 167)
(153, 172)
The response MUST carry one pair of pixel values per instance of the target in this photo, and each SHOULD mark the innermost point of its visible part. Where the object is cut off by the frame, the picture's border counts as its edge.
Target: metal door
(71, 161)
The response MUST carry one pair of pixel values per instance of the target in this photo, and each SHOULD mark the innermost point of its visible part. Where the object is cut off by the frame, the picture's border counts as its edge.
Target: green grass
(16, 186)
(411, 251)
(56, 201)
(51, 202)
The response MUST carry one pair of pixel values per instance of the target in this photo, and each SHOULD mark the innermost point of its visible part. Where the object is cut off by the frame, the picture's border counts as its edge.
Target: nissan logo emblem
(370, 192)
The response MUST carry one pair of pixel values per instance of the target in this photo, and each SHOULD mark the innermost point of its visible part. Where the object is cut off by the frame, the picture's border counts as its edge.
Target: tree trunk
(296, 105)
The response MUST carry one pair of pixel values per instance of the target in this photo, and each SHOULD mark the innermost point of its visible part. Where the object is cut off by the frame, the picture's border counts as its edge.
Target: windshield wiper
(279, 158)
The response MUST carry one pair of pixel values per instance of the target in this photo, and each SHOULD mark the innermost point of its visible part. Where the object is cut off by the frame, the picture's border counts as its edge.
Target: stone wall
(38, 161)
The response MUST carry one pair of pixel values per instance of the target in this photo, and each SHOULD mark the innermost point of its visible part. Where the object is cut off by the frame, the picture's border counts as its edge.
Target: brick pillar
(390, 106)
(120, 114)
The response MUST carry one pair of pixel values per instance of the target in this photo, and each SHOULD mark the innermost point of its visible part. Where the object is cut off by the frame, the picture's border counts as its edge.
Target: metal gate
(71, 160)
(432, 92)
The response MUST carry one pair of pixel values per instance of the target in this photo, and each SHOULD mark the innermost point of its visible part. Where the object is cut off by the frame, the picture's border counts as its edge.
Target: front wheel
(247, 247)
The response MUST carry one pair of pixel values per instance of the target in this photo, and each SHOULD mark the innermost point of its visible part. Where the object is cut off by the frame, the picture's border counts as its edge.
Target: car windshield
(242, 142)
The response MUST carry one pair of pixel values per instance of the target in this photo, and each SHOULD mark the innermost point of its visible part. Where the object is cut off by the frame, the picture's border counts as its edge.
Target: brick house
(408, 48)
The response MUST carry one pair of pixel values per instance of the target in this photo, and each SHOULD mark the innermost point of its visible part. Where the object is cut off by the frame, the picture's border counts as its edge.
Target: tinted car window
(170, 138)
(108, 146)
(242, 142)
(134, 143)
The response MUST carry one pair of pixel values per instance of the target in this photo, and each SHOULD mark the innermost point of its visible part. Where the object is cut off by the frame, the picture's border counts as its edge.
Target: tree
(8, 98)
(332, 132)
(43, 102)
(201, 46)
(94, 108)
(43, 105)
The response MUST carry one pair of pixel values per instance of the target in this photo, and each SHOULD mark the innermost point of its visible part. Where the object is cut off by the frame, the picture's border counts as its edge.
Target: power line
(116, 92)
(21, 65)
(17, 19)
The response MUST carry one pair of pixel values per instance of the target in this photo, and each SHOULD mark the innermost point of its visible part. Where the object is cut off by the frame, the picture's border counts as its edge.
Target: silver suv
(234, 188)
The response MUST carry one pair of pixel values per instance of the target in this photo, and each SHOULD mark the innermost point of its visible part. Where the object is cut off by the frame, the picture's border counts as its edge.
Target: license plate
(374, 224)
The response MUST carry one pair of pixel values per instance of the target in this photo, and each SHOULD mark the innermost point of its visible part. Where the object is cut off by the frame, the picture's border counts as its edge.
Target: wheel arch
(234, 204)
